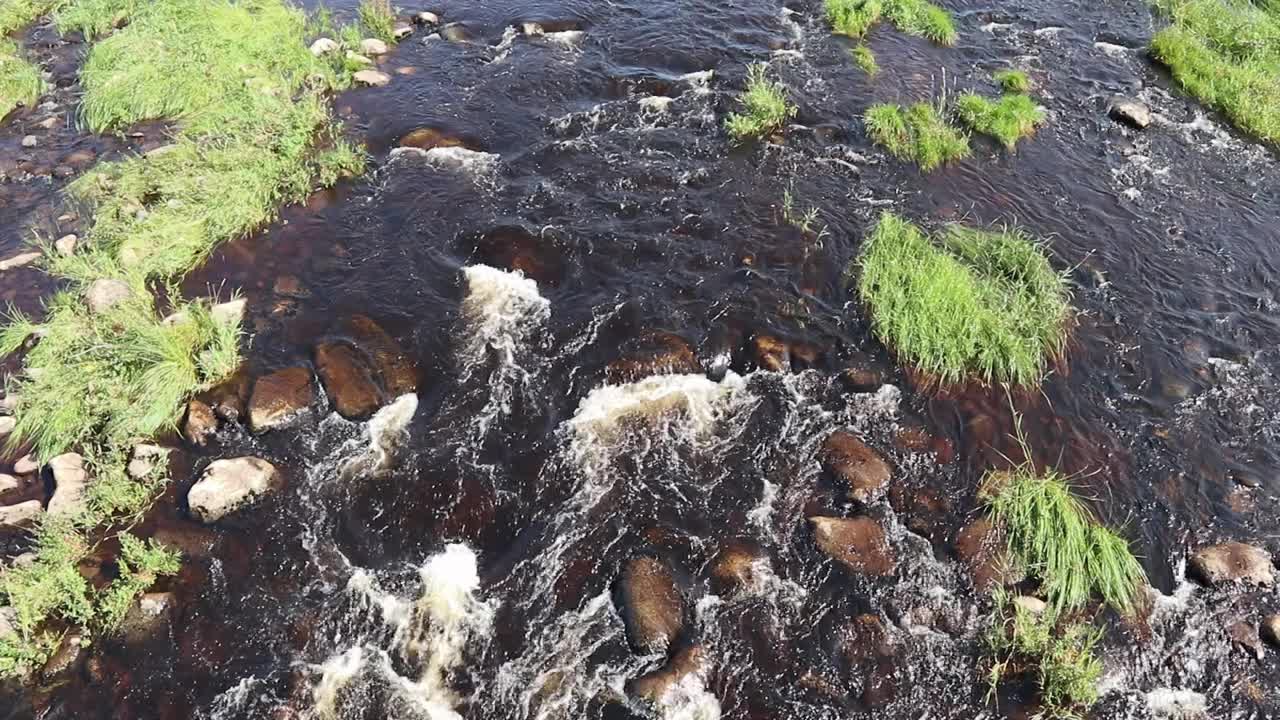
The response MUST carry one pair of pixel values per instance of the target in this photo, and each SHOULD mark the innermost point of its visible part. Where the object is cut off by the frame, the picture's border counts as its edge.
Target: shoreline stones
(1232, 562)
(652, 605)
(23, 514)
(372, 46)
(372, 78)
(858, 543)
(70, 480)
(323, 46)
(280, 398)
(227, 486)
(861, 470)
(19, 260)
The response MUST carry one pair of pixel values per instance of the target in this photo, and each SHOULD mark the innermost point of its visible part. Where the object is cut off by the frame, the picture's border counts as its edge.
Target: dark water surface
(477, 577)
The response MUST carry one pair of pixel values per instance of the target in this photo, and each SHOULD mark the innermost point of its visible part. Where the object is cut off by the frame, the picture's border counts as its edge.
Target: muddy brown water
(635, 215)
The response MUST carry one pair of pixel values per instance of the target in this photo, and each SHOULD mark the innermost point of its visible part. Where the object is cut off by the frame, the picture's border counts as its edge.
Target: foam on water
(462, 159)
(386, 431)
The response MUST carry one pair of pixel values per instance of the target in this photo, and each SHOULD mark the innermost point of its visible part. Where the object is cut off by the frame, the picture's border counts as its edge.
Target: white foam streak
(335, 674)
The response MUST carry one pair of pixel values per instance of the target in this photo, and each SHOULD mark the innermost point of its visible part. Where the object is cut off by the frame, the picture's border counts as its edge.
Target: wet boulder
(652, 605)
(396, 371)
(230, 398)
(653, 686)
(655, 352)
(771, 353)
(858, 543)
(428, 138)
(1271, 629)
(279, 398)
(65, 661)
(200, 423)
(371, 78)
(981, 548)
(858, 468)
(735, 568)
(69, 482)
(373, 46)
(1130, 111)
(347, 381)
(23, 514)
(1232, 562)
(456, 33)
(227, 486)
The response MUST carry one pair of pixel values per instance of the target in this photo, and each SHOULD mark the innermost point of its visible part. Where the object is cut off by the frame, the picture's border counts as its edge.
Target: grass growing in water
(765, 108)
(1057, 540)
(377, 19)
(1013, 81)
(914, 17)
(1061, 657)
(866, 60)
(1008, 119)
(20, 82)
(1227, 54)
(973, 304)
(918, 133)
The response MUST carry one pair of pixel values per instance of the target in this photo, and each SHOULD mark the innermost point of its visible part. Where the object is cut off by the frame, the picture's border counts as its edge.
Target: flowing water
(459, 555)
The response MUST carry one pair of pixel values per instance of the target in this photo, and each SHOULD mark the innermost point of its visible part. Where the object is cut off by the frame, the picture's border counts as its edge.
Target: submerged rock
(979, 546)
(200, 423)
(427, 138)
(148, 618)
(279, 398)
(859, 543)
(653, 686)
(227, 486)
(734, 568)
(70, 480)
(395, 369)
(23, 514)
(388, 429)
(861, 470)
(652, 605)
(347, 381)
(1130, 111)
(655, 352)
(456, 33)
(371, 78)
(771, 353)
(1232, 562)
(1245, 636)
(106, 293)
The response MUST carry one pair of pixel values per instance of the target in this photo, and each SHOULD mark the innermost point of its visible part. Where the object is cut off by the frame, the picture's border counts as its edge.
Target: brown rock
(655, 352)
(347, 380)
(148, 618)
(230, 399)
(980, 547)
(396, 370)
(653, 686)
(734, 568)
(70, 480)
(1232, 562)
(859, 543)
(279, 398)
(65, 661)
(200, 423)
(290, 286)
(859, 468)
(426, 138)
(771, 353)
(1271, 629)
(863, 377)
(652, 605)
(866, 639)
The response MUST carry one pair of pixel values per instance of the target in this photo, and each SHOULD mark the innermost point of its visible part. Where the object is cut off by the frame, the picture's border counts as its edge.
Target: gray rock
(149, 618)
(8, 622)
(19, 260)
(9, 405)
(70, 480)
(26, 465)
(228, 313)
(1033, 605)
(9, 483)
(323, 46)
(106, 293)
(30, 141)
(402, 31)
(372, 78)
(456, 33)
(227, 486)
(23, 514)
(66, 245)
(1130, 111)
(427, 18)
(1232, 562)
(357, 58)
(373, 46)
(145, 460)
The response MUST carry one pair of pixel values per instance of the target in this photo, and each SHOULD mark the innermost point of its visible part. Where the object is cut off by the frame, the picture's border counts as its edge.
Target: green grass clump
(20, 82)
(765, 108)
(914, 17)
(918, 133)
(17, 14)
(866, 60)
(1057, 540)
(1008, 119)
(377, 19)
(1013, 81)
(1060, 656)
(96, 18)
(1227, 54)
(974, 305)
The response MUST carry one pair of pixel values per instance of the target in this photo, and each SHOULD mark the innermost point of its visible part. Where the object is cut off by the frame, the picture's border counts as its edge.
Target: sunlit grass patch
(919, 133)
(1013, 81)
(765, 108)
(377, 19)
(1057, 540)
(1227, 54)
(1059, 655)
(17, 14)
(1008, 119)
(95, 18)
(20, 82)
(866, 60)
(970, 304)
(915, 17)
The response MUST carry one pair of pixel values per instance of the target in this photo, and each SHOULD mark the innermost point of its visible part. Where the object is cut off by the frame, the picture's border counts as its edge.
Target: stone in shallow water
(227, 486)
(373, 46)
(26, 465)
(656, 352)
(860, 470)
(70, 480)
(858, 543)
(19, 260)
(653, 686)
(347, 380)
(395, 369)
(980, 547)
(200, 423)
(1232, 562)
(372, 78)
(427, 138)
(652, 605)
(280, 397)
(1130, 111)
(1271, 629)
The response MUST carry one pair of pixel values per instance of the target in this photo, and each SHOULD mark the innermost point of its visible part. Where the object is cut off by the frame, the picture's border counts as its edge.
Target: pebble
(66, 245)
(428, 18)
(30, 141)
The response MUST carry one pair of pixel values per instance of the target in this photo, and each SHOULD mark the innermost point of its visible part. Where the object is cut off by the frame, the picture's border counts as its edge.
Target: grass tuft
(1227, 54)
(914, 17)
(919, 133)
(377, 19)
(1008, 119)
(1013, 81)
(765, 108)
(96, 18)
(1062, 658)
(17, 14)
(20, 81)
(866, 60)
(1057, 540)
(975, 304)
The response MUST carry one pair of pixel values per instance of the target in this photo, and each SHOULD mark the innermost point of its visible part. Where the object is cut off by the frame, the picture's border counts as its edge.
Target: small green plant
(919, 133)
(20, 82)
(866, 60)
(1061, 656)
(1227, 54)
(141, 563)
(1013, 81)
(378, 20)
(1008, 119)
(765, 108)
(981, 305)
(914, 17)
(1057, 540)
(806, 221)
